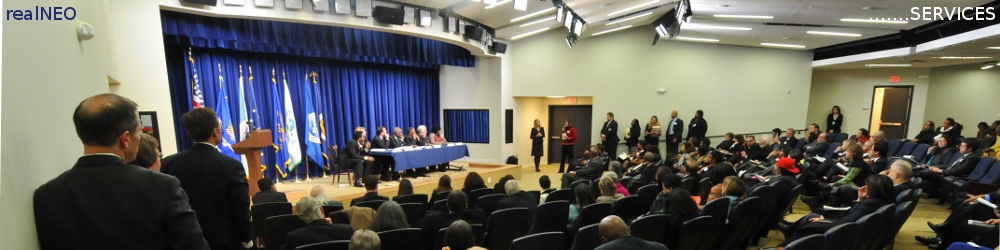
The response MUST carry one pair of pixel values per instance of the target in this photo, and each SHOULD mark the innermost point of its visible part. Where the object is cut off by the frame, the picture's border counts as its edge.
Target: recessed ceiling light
(745, 16)
(497, 4)
(833, 33)
(632, 8)
(530, 33)
(630, 18)
(875, 20)
(889, 65)
(539, 21)
(533, 14)
(963, 57)
(783, 45)
(612, 30)
(696, 39)
(556, 96)
(713, 27)
(993, 47)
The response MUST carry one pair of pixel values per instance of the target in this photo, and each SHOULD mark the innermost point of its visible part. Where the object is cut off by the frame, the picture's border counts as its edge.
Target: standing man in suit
(697, 128)
(675, 128)
(356, 156)
(158, 215)
(609, 136)
(267, 193)
(218, 184)
(616, 235)
(382, 163)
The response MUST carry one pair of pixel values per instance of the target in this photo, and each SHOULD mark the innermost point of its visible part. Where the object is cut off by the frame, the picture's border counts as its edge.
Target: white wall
(46, 73)
(477, 88)
(622, 72)
(852, 90)
(965, 93)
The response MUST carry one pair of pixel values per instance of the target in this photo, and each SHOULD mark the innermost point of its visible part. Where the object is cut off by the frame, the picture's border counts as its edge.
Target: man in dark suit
(877, 159)
(317, 229)
(961, 167)
(518, 198)
(819, 146)
(616, 235)
(789, 138)
(458, 204)
(383, 164)
(675, 128)
(356, 156)
(82, 208)
(609, 136)
(267, 193)
(216, 182)
(697, 128)
(813, 133)
(371, 194)
(593, 167)
(952, 229)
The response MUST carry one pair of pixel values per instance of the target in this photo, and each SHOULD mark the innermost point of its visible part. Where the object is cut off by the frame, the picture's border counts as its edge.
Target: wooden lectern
(251, 147)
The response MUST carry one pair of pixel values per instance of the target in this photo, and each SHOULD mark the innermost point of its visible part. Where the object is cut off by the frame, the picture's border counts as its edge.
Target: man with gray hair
(317, 229)
(365, 239)
(319, 193)
(518, 198)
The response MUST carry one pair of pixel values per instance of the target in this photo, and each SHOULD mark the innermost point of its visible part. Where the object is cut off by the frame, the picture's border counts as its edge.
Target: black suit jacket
(353, 150)
(941, 156)
(678, 130)
(817, 148)
(881, 164)
(370, 196)
(790, 141)
(316, 232)
(963, 166)
(697, 128)
(395, 142)
(753, 152)
(520, 199)
(632, 243)
(219, 193)
(866, 207)
(83, 208)
(265, 196)
(379, 142)
(593, 167)
(610, 132)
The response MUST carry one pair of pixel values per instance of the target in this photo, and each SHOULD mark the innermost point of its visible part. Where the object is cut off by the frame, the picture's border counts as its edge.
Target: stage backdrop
(311, 85)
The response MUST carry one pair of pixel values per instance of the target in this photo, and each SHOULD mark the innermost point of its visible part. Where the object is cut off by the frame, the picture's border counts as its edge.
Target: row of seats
(871, 232)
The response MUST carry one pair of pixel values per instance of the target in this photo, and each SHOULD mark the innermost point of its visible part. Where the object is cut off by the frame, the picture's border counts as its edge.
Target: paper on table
(398, 149)
(436, 146)
(987, 203)
(842, 167)
(459, 143)
(820, 159)
(378, 150)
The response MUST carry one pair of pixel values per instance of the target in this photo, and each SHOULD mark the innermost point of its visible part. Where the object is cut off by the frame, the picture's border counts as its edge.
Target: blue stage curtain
(351, 94)
(467, 125)
(347, 44)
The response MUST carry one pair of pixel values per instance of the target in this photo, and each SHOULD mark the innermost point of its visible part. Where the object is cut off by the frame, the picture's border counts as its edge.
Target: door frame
(909, 107)
(549, 111)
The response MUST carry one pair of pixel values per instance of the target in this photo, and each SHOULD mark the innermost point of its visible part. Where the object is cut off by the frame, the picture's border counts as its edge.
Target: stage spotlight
(425, 18)
(560, 13)
(570, 40)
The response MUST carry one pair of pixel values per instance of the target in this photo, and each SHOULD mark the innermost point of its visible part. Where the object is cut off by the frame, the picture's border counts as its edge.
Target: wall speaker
(388, 15)
(499, 47)
(474, 32)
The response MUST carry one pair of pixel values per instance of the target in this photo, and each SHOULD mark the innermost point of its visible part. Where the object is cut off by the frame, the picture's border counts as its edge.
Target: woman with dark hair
(680, 207)
(703, 155)
(500, 183)
(459, 236)
(444, 184)
(582, 198)
(926, 135)
(568, 139)
(834, 120)
(148, 155)
(862, 137)
(951, 130)
(537, 138)
(472, 182)
(726, 142)
(940, 153)
(875, 193)
(390, 216)
(992, 150)
(405, 187)
(632, 137)
(653, 131)
(984, 131)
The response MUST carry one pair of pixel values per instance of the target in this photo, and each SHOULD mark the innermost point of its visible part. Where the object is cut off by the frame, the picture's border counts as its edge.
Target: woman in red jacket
(568, 138)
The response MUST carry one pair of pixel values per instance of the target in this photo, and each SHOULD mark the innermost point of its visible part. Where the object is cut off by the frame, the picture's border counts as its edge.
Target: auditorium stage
(345, 191)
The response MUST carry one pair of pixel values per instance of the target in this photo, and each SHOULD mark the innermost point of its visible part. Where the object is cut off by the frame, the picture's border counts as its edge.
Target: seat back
(332, 208)
(369, 204)
(866, 234)
(260, 212)
(954, 157)
(894, 146)
(740, 221)
(650, 227)
(592, 214)
(648, 194)
(549, 240)
(414, 212)
(628, 208)
(704, 187)
(537, 194)
(586, 238)
(993, 175)
(693, 231)
(844, 234)
(475, 194)
(278, 227)
(505, 225)
(488, 203)
(839, 138)
(439, 196)
(559, 195)
(402, 239)
(811, 242)
(920, 152)
(338, 217)
(903, 212)
(411, 198)
(902, 196)
(982, 168)
(905, 149)
(831, 149)
(885, 217)
(783, 203)
(329, 245)
(440, 206)
(550, 217)
(718, 209)
(801, 143)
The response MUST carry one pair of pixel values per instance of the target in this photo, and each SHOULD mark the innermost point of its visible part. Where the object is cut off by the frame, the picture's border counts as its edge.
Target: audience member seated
(927, 134)
(953, 229)
(934, 176)
(458, 209)
(879, 136)
(608, 193)
(689, 173)
(647, 160)
(668, 183)
(862, 137)
(148, 154)
(501, 184)
(365, 239)
(817, 147)
(593, 167)
(751, 151)
(950, 130)
(939, 154)
(718, 168)
(619, 188)
(371, 191)
(267, 193)
(406, 187)
(460, 236)
(688, 151)
(472, 182)
(900, 173)
(993, 150)
(754, 172)
(616, 235)
(877, 160)
(857, 172)
(727, 142)
(875, 193)
(318, 229)
(319, 193)
(583, 198)
(518, 198)
(789, 138)
(679, 208)
(733, 189)
(547, 188)
(813, 133)
(390, 216)
(783, 178)
(444, 184)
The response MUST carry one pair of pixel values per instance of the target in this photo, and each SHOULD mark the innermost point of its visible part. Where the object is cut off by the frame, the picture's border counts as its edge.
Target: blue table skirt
(426, 156)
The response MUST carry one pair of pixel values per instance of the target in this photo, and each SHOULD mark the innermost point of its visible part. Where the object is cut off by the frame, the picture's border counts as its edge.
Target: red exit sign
(572, 100)
(894, 79)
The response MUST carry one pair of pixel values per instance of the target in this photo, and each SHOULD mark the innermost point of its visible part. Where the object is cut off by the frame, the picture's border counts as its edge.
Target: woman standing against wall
(537, 137)
(834, 120)
(568, 139)
(653, 131)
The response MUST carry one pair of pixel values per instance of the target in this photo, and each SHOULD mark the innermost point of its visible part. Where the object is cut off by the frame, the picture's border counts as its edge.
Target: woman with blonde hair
(537, 138)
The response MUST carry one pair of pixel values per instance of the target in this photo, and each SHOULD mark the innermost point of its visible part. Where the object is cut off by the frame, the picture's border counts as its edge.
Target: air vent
(795, 24)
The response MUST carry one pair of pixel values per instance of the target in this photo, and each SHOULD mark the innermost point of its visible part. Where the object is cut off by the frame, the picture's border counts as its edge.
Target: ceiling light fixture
(497, 4)
(963, 57)
(889, 65)
(992, 47)
(783, 45)
(629, 18)
(696, 39)
(632, 8)
(533, 14)
(556, 96)
(539, 21)
(521, 5)
(712, 27)
(611, 30)
(833, 33)
(873, 20)
(745, 16)
(530, 33)
(988, 65)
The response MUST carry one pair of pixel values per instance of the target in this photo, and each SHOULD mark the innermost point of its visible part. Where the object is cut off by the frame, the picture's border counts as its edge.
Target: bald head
(612, 228)
(101, 119)
(319, 193)
(673, 114)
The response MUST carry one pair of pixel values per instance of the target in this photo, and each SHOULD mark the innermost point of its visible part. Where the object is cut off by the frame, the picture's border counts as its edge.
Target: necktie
(956, 162)
(672, 121)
